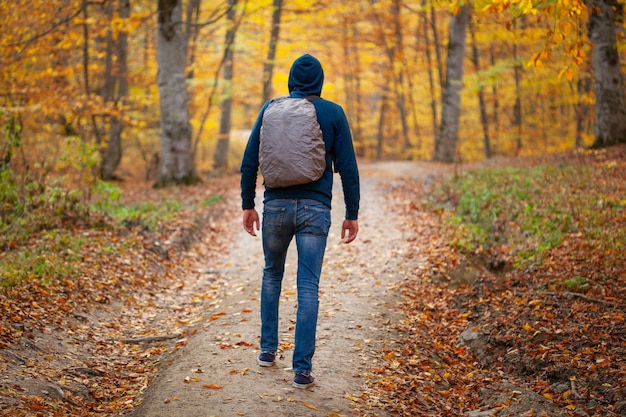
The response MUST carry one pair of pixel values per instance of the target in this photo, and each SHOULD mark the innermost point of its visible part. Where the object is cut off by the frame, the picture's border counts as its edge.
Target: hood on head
(306, 77)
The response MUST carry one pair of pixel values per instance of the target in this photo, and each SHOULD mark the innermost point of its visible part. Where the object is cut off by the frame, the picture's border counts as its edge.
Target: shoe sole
(302, 386)
(264, 363)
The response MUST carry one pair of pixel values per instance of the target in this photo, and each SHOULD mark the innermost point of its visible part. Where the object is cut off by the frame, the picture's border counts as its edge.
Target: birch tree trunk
(610, 127)
(445, 148)
(220, 158)
(177, 164)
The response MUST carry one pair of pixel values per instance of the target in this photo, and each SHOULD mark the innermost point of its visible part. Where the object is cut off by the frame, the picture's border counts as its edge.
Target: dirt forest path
(216, 373)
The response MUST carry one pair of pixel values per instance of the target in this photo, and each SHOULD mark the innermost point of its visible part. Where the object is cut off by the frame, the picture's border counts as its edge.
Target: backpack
(292, 149)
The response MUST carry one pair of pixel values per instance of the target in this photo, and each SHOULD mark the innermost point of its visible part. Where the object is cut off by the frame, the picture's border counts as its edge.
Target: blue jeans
(309, 221)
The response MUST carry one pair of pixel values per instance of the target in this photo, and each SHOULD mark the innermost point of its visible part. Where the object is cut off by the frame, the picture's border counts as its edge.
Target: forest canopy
(79, 78)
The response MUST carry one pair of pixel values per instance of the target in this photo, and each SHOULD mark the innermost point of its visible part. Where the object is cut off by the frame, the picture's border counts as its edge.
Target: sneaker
(303, 380)
(266, 358)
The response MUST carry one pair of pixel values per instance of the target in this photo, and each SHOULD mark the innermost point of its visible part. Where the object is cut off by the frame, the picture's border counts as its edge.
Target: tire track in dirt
(356, 299)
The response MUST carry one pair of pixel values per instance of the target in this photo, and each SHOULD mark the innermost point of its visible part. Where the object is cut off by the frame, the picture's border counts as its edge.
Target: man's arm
(250, 164)
(251, 222)
(352, 229)
(345, 161)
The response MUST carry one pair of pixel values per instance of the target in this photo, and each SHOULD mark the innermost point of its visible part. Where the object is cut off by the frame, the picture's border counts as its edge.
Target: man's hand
(350, 226)
(251, 221)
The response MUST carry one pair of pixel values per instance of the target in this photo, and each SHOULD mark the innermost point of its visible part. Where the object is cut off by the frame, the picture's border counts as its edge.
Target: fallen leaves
(100, 335)
(311, 406)
(212, 386)
(539, 326)
(216, 316)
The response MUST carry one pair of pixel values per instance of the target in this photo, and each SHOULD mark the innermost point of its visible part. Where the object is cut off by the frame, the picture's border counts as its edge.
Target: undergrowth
(519, 213)
(41, 221)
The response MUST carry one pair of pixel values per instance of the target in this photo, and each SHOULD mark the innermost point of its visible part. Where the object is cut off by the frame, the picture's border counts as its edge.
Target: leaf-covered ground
(511, 296)
(490, 328)
(88, 339)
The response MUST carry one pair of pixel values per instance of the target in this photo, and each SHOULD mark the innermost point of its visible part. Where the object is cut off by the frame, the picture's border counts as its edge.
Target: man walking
(301, 211)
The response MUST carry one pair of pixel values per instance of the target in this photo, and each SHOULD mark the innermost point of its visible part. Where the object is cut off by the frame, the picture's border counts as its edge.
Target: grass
(149, 213)
(54, 258)
(41, 225)
(526, 211)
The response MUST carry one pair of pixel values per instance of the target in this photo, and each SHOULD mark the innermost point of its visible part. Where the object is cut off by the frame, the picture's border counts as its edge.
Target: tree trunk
(481, 93)
(380, 140)
(397, 53)
(268, 66)
(112, 156)
(436, 45)
(610, 127)
(353, 83)
(517, 109)
(176, 162)
(192, 31)
(431, 80)
(445, 148)
(496, 101)
(394, 52)
(220, 159)
(86, 79)
(582, 110)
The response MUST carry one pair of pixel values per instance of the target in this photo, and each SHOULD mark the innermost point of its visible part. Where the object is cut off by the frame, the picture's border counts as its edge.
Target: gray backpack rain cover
(291, 150)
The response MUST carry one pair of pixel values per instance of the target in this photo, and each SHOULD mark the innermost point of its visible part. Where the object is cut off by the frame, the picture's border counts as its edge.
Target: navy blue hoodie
(306, 78)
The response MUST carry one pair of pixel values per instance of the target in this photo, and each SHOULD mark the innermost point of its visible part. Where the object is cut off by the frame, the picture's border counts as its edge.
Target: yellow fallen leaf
(212, 386)
(307, 405)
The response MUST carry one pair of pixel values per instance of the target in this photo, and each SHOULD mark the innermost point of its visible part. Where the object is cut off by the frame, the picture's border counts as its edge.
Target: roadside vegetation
(517, 303)
(513, 216)
(81, 274)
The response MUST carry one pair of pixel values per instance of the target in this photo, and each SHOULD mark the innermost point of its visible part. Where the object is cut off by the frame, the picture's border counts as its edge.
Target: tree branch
(54, 26)
(148, 339)
(576, 295)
